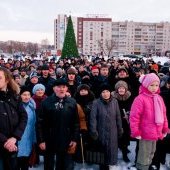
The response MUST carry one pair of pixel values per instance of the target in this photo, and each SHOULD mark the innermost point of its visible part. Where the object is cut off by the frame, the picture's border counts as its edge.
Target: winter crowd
(76, 110)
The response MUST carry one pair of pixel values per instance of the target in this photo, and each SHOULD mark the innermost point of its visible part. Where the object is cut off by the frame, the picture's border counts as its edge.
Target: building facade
(97, 34)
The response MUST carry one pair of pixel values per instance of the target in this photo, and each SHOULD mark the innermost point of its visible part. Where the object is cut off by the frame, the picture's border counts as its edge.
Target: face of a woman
(106, 94)
(39, 92)
(3, 82)
(83, 92)
(121, 91)
(25, 96)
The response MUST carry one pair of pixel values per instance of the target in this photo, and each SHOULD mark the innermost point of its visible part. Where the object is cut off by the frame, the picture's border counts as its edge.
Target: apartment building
(98, 34)
(140, 38)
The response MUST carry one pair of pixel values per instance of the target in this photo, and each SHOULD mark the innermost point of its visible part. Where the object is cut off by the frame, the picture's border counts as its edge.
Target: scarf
(158, 105)
(121, 97)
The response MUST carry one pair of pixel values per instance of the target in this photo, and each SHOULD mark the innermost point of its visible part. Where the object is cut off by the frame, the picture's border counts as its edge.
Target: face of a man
(60, 90)
(104, 71)
(122, 74)
(71, 77)
(45, 73)
(95, 72)
(81, 69)
(34, 80)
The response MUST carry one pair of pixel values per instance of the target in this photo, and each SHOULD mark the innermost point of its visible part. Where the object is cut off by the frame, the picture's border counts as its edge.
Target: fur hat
(25, 89)
(71, 70)
(121, 84)
(148, 79)
(37, 87)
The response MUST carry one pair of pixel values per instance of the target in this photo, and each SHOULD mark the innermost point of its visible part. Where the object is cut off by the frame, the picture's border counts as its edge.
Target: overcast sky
(33, 20)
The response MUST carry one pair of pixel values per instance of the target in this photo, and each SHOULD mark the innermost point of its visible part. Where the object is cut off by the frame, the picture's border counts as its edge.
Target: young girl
(29, 137)
(148, 120)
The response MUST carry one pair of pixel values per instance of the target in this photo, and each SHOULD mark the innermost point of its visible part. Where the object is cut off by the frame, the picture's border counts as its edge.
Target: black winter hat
(24, 89)
(83, 86)
(45, 67)
(60, 81)
(104, 87)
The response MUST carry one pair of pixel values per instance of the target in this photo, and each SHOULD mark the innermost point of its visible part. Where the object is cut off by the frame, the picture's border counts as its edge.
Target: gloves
(94, 136)
(138, 137)
(120, 133)
(164, 135)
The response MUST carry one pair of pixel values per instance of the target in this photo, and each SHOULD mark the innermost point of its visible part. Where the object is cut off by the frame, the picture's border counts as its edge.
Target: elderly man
(58, 128)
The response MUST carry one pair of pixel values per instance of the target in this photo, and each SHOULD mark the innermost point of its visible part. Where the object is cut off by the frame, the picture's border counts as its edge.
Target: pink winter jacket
(142, 119)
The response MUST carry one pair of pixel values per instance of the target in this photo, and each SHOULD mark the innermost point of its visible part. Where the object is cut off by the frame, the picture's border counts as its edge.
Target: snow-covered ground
(121, 164)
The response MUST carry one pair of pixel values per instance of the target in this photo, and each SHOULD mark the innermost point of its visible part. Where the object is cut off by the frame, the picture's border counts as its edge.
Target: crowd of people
(78, 110)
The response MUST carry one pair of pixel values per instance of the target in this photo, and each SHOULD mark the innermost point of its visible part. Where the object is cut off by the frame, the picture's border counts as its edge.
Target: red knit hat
(94, 67)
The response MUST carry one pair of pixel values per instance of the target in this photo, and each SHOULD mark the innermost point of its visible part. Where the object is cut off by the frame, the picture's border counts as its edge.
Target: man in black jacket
(46, 80)
(58, 128)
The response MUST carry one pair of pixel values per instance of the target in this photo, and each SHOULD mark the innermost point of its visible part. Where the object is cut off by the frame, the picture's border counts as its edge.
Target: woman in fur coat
(123, 95)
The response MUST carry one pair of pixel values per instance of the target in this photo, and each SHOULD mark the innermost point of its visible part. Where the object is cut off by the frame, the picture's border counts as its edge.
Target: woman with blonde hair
(13, 119)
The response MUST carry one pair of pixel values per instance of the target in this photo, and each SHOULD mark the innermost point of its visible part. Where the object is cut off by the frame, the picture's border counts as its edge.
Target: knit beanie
(148, 79)
(94, 67)
(122, 68)
(37, 87)
(24, 89)
(121, 84)
(33, 74)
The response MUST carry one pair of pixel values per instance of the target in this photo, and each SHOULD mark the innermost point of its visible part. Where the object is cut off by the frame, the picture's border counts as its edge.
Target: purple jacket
(142, 118)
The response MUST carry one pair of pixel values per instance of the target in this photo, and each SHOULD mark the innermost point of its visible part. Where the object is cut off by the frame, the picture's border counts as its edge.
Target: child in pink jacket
(148, 120)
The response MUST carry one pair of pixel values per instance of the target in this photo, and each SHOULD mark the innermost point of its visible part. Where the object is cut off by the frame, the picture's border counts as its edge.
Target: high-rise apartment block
(96, 34)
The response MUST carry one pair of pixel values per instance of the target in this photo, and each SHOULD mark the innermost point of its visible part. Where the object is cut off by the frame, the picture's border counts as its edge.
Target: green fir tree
(69, 46)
